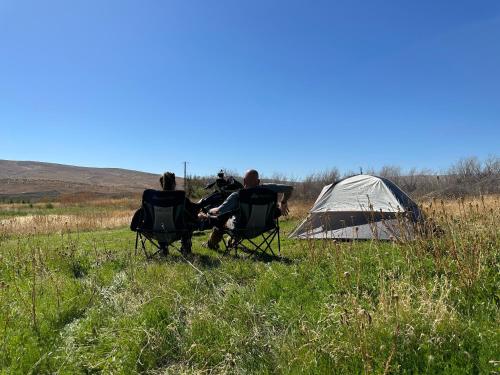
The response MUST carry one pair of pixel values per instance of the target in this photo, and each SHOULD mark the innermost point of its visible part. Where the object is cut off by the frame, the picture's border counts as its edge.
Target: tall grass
(79, 301)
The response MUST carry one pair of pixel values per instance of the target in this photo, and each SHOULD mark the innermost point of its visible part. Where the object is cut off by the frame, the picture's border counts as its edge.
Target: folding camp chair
(163, 220)
(256, 223)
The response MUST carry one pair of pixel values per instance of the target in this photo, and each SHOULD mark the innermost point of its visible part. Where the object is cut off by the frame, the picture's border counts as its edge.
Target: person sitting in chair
(167, 182)
(227, 209)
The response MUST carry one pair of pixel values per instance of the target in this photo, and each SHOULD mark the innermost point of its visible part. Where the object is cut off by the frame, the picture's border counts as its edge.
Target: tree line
(468, 176)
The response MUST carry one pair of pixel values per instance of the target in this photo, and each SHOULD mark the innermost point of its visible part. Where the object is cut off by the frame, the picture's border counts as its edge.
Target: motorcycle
(222, 188)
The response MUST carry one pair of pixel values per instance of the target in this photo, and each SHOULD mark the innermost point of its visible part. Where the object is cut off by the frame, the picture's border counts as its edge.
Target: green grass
(84, 303)
(24, 209)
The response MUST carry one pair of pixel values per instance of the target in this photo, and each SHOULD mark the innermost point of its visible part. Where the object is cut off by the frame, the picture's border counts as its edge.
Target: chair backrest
(257, 212)
(164, 211)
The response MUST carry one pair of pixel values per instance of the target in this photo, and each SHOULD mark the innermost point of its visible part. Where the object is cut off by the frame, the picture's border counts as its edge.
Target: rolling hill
(33, 180)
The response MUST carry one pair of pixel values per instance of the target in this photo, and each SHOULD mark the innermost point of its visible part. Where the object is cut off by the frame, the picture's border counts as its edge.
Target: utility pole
(185, 176)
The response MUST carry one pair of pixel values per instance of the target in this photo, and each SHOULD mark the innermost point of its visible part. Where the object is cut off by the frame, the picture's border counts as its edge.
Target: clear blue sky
(288, 86)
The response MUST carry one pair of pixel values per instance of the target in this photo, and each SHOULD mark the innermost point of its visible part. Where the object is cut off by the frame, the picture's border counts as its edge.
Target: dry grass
(299, 209)
(43, 224)
(434, 208)
(115, 213)
(125, 202)
(462, 206)
(68, 216)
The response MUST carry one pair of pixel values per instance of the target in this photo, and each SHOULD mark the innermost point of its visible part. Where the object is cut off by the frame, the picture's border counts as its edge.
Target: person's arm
(286, 191)
(191, 208)
(284, 202)
(229, 205)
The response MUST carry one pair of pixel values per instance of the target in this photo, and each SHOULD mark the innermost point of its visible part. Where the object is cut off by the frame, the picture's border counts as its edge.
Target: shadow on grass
(256, 255)
(202, 260)
(208, 262)
(267, 258)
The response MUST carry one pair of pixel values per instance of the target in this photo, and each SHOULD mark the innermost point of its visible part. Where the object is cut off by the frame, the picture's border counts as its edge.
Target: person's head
(251, 179)
(167, 181)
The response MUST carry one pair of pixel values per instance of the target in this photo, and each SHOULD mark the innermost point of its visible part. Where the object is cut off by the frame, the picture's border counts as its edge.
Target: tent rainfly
(360, 207)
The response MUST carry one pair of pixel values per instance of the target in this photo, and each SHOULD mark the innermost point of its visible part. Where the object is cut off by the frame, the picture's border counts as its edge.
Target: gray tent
(360, 207)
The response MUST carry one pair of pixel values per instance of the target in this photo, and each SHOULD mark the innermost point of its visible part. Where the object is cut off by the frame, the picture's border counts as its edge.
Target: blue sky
(281, 86)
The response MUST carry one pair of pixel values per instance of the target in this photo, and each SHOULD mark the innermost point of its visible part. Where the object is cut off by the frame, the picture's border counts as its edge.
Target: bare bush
(467, 170)
(310, 187)
(492, 166)
(468, 176)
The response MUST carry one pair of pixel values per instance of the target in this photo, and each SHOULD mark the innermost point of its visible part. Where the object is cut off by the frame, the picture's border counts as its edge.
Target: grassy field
(75, 299)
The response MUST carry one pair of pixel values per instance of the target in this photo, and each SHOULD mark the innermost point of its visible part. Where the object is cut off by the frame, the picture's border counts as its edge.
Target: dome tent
(360, 207)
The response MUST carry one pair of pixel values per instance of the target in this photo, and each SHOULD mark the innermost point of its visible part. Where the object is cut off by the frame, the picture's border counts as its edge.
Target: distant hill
(33, 180)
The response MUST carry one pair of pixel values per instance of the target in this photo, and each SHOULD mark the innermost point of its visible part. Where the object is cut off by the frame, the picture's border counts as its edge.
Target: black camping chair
(162, 220)
(256, 222)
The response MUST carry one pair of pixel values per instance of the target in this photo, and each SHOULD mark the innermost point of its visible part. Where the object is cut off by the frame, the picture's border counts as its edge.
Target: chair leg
(136, 243)
(237, 243)
(226, 246)
(259, 247)
(262, 246)
(143, 244)
(268, 245)
(269, 241)
(279, 239)
(163, 248)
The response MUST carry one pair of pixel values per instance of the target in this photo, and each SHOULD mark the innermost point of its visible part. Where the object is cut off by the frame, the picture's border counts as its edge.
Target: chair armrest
(227, 214)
